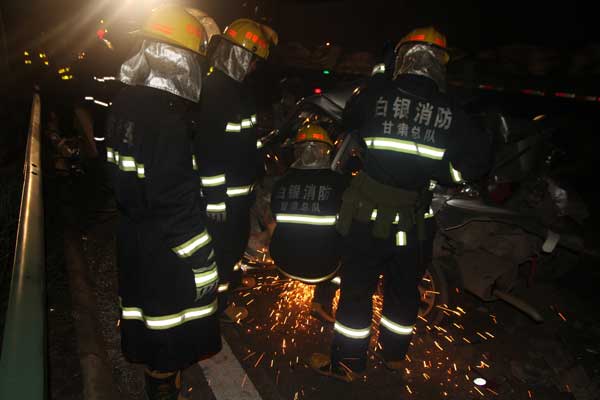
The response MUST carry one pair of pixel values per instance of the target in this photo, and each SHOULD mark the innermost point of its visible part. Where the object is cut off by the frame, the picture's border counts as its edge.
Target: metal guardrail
(23, 357)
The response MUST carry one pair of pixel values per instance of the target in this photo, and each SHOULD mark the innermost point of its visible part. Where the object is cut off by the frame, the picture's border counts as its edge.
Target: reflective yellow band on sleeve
(220, 207)
(127, 163)
(235, 191)
(212, 181)
(351, 332)
(206, 277)
(233, 127)
(378, 69)
(310, 281)
(455, 174)
(246, 123)
(401, 238)
(110, 155)
(191, 246)
(223, 287)
(141, 171)
(307, 219)
(429, 214)
(259, 144)
(194, 163)
(253, 119)
(396, 328)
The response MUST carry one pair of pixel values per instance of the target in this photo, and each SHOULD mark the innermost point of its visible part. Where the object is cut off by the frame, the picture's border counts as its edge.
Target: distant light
(89, 97)
(327, 44)
(46, 63)
(479, 381)
(27, 61)
(533, 92)
(563, 94)
(66, 77)
(326, 72)
(539, 117)
(101, 21)
(101, 103)
(318, 91)
(42, 55)
(25, 53)
(98, 139)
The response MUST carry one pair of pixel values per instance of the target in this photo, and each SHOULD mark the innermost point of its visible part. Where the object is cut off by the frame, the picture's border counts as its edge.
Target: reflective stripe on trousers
(351, 333)
(168, 321)
(396, 328)
(309, 280)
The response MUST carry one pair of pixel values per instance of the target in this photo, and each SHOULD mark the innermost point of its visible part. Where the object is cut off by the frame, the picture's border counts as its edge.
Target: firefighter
(167, 272)
(305, 203)
(410, 129)
(226, 145)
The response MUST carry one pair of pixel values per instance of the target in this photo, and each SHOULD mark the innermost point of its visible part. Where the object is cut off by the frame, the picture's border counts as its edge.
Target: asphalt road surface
(264, 355)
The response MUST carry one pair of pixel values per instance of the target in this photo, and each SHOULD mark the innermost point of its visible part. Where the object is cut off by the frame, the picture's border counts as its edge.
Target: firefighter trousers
(163, 324)
(230, 240)
(364, 259)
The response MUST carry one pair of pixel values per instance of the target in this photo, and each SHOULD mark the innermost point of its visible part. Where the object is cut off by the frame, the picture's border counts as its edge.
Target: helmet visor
(422, 59)
(165, 67)
(231, 59)
(312, 155)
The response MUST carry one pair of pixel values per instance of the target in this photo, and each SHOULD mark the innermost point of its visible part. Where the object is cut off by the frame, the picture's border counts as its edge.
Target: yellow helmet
(254, 37)
(313, 133)
(428, 35)
(173, 24)
(208, 23)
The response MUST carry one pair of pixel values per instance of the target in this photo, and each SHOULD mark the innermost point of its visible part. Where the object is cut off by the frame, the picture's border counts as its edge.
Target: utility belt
(365, 195)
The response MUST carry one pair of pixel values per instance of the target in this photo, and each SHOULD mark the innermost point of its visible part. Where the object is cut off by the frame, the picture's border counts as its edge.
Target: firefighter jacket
(305, 203)
(225, 140)
(167, 274)
(413, 131)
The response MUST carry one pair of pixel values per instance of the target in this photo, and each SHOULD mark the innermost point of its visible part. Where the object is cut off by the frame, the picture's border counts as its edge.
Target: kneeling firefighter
(411, 129)
(305, 204)
(226, 143)
(167, 272)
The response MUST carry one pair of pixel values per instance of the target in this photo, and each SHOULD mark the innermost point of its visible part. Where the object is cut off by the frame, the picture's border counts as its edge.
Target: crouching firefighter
(410, 129)
(305, 204)
(167, 272)
(226, 144)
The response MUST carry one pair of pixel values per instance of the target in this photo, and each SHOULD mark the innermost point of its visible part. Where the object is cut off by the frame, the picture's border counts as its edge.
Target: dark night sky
(360, 25)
